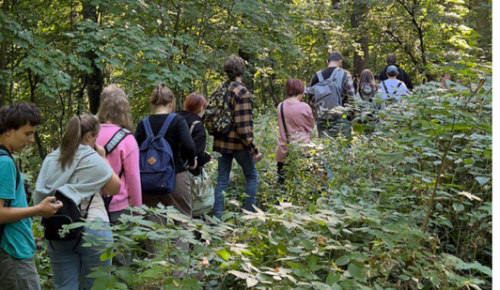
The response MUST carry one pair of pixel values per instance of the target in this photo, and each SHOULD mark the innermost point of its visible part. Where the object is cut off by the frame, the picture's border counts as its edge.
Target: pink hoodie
(299, 121)
(126, 156)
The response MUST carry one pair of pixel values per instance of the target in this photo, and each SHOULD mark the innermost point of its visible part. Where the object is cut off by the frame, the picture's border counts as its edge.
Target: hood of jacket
(189, 116)
(52, 177)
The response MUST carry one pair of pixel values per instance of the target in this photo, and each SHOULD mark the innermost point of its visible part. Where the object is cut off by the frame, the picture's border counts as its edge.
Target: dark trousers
(281, 173)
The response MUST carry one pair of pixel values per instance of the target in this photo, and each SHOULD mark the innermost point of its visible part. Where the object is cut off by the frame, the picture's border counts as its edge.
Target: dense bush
(408, 207)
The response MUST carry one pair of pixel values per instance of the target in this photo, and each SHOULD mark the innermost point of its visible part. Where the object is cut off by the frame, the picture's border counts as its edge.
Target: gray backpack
(328, 93)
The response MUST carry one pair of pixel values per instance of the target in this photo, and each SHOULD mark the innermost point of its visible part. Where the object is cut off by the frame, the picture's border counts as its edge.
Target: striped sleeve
(243, 118)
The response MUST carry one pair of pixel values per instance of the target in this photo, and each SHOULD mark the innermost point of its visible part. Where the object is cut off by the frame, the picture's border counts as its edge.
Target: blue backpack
(156, 160)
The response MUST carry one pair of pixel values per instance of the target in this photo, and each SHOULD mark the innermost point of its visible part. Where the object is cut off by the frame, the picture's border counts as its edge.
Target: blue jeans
(68, 263)
(245, 160)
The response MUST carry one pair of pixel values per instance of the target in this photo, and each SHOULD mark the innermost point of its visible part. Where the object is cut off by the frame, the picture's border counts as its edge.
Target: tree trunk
(95, 79)
(357, 16)
(3, 59)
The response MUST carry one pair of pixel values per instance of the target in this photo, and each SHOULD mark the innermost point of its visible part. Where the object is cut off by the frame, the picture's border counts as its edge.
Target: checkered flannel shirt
(241, 135)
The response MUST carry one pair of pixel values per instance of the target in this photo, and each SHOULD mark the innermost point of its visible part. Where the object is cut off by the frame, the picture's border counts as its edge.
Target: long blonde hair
(76, 129)
(115, 108)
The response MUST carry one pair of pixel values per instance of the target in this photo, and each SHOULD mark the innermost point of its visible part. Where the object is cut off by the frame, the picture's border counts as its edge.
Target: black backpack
(218, 117)
(69, 213)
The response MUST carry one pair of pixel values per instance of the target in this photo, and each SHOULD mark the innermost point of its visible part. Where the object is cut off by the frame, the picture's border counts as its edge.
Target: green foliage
(361, 230)
(410, 203)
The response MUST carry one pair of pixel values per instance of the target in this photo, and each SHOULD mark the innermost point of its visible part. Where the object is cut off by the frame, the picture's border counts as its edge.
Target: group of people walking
(102, 175)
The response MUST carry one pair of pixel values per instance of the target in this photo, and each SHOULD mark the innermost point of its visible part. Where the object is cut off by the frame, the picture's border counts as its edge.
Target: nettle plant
(408, 207)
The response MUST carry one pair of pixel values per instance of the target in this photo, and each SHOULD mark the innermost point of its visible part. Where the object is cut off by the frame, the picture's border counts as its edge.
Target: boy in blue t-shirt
(17, 269)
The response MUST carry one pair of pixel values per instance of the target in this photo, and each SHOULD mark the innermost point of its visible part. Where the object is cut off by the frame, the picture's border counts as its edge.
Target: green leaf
(394, 157)
(357, 270)
(343, 260)
(458, 206)
(320, 286)
(482, 180)
(332, 278)
(387, 240)
(224, 254)
(252, 282)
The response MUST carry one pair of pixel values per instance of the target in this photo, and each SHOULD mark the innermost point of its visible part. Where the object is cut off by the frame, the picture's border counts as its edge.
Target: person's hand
(49, 206)
(258, 157)
(100, 150)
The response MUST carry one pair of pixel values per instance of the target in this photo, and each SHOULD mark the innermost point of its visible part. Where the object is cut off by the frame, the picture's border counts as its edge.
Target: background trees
(59, 54)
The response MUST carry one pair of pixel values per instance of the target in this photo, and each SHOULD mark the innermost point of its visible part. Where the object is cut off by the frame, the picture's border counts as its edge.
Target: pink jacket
(126, 156)
(299, 121)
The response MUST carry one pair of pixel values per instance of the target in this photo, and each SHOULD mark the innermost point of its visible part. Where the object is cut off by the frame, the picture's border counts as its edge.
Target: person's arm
(349, 91)
(408, 82)
(200, 141)
(132, 173)
(188, 148)
(243, 118)
(140, 133)
(382, 76)
(8, 188)
(309, 119)
(112, 186)
(46, 208)
(310, 98)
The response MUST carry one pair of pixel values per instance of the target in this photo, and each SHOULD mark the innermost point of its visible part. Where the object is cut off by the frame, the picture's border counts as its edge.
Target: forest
(410, 205)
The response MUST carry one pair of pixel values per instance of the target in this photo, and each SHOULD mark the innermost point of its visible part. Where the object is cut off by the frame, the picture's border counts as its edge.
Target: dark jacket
(177, 137)
(402, 76)
(199, 136)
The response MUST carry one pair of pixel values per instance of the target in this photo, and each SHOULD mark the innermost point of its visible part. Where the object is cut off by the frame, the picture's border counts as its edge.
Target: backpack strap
(191, 129)
(147, 127)
(333, 75)
(283, 121)
(7, 153)
(84, 217)
(320, 76)
(192, 126)
(397, 87)
(116, 139)
(108, 148)
(385, 88)
(165, 126)
(7, 202)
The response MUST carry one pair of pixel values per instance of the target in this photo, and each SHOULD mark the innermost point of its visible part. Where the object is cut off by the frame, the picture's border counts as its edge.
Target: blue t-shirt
(17, 238)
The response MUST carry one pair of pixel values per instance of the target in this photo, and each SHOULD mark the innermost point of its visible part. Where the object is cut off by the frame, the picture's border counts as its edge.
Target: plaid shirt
(241, 135)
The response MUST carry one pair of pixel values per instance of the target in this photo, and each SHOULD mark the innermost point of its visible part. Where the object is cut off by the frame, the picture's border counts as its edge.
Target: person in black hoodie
(177, 135)
(391, 59)
(194, 108)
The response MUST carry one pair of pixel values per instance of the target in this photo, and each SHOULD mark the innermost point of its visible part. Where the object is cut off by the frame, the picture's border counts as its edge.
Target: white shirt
(393, 90)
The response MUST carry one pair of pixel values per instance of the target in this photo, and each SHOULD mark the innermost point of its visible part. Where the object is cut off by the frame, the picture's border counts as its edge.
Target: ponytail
(76, 129)
(161, 95)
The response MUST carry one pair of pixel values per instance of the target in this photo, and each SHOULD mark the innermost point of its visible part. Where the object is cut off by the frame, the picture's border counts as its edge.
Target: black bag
(69, 213)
